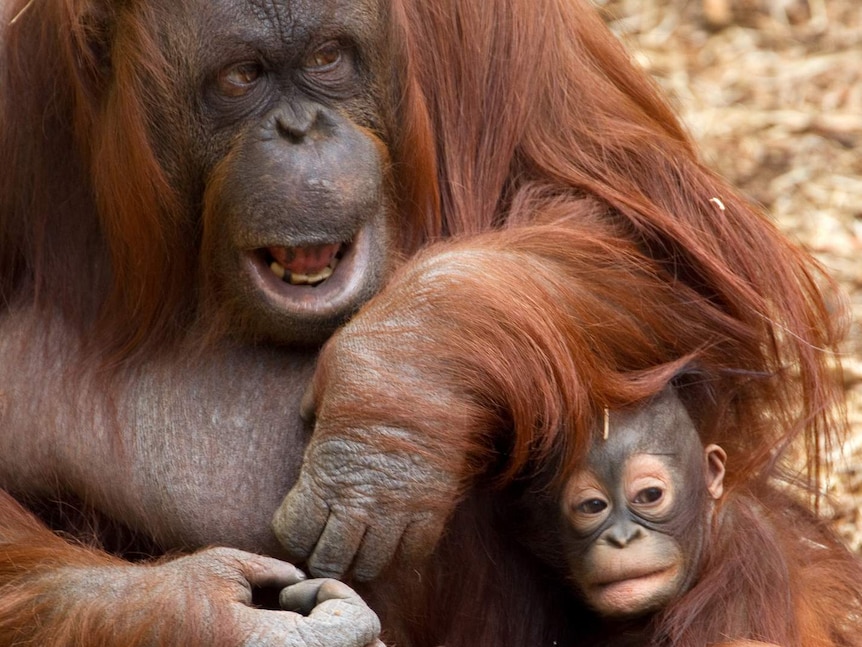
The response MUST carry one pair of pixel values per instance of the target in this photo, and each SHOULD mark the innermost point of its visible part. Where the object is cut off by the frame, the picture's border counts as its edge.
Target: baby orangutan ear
(715, 460)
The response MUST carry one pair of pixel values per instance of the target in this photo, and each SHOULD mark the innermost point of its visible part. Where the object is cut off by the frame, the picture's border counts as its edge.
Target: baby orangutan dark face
(638, 512)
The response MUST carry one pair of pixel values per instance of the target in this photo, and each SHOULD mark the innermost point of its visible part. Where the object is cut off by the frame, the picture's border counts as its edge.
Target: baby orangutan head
(637, 513)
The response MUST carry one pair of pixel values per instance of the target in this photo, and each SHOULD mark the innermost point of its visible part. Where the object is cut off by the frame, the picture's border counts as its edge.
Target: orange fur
(527, 137)
(517, 375)
(774, 572)
(38, 568)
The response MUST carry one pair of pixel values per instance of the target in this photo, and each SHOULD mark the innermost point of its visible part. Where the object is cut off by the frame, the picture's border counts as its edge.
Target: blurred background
(772, 92)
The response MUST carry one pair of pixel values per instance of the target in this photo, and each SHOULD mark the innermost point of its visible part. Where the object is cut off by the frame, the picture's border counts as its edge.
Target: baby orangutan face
(637, 514)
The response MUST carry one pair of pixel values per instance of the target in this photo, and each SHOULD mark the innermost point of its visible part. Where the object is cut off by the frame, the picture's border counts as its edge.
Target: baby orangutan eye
(592, 506)
(649, 495)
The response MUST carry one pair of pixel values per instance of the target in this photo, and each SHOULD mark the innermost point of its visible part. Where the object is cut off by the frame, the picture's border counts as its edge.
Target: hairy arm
(57, 593)
(475, 357)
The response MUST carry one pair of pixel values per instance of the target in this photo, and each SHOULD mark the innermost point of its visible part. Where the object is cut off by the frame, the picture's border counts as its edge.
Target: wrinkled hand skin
(401, 425)
(356, 506)
(383, 471)
(316, 612)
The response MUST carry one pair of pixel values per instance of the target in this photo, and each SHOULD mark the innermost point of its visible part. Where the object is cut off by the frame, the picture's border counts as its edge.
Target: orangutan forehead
(290, 21)
(662, 426)
(299, 14)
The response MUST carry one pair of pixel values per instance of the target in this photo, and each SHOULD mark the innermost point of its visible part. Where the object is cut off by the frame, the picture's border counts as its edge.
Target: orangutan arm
(474, 356)
(57, 593)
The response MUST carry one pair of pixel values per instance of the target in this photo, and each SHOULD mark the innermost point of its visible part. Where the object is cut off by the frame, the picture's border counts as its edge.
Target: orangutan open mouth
(321, 280)
(310, 265)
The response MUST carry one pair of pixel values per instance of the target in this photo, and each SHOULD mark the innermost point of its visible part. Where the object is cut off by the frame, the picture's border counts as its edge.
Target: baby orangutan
(636, 524)
(636, 517)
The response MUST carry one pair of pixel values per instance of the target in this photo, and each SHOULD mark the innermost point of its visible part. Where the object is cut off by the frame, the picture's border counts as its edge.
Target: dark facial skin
(637, 514)
(288, 138)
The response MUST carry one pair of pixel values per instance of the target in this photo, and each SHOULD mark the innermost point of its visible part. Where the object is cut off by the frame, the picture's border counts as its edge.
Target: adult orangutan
(196, 194)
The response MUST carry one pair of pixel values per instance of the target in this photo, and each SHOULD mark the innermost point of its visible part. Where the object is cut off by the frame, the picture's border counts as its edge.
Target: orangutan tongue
(305, 260)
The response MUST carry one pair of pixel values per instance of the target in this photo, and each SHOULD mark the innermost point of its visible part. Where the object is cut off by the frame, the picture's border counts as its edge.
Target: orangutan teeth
(310, 279)
(278, 269)
(297, 278)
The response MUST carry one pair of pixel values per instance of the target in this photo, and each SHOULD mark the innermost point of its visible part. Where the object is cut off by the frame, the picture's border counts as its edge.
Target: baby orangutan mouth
(636, 593)
(310, 265)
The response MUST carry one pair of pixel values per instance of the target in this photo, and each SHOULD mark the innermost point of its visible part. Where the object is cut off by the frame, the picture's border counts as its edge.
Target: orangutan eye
(238, 80)
(325, 57)
(592, 506)
(649, 495)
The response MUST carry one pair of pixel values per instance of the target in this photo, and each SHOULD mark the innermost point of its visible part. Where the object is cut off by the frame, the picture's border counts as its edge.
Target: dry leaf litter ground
(772, 92)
